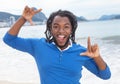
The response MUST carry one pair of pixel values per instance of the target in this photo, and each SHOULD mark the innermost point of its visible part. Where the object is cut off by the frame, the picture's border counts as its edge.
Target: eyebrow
(55, 23)
(58, 24)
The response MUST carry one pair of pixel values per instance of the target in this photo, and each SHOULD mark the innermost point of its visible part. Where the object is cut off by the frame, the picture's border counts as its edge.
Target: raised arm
(93, 52)
(96, 65)
(27, 15)
(11, 37)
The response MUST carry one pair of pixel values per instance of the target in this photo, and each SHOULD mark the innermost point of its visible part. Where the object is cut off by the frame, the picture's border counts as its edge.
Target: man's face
(61, 30)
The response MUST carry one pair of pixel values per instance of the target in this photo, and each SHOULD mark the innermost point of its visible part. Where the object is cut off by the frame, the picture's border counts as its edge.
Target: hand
(28, 13)
(92, 50)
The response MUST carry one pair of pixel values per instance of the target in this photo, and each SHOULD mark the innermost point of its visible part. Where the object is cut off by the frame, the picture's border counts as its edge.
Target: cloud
(87, 8)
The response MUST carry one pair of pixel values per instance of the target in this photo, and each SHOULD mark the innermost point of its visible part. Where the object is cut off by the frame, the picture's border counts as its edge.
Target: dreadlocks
(61, 13)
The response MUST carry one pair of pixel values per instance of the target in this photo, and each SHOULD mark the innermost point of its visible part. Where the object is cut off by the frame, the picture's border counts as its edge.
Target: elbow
(106, 76)
(8, 38)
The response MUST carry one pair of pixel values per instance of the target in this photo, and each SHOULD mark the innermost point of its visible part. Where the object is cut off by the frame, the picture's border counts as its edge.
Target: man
(58, 57)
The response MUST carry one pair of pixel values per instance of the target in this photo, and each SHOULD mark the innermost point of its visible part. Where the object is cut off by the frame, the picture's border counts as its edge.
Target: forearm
(14, 30)
(100, 63)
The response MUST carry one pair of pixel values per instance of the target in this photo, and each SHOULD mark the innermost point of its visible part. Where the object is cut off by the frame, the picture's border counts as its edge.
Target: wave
(112, 39)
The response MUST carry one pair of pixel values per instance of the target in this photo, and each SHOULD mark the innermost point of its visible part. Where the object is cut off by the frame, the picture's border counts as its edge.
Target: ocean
(19, 67)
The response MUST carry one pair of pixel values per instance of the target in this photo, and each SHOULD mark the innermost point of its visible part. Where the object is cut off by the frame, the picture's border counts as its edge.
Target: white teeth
(61, 36)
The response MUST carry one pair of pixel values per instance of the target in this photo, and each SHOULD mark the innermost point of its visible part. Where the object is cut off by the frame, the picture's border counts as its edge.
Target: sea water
(16, 66)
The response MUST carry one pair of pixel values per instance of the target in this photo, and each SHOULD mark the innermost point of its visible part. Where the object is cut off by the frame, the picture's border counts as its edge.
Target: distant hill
(109, 17)
(40, 17)
(4, 16)
(81, 18)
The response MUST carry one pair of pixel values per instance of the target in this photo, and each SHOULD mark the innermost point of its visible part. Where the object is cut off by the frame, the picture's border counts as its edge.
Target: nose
(61, 30)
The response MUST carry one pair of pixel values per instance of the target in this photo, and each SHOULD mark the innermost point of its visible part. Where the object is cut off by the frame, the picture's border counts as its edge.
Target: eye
(67, 27)
(55, 27)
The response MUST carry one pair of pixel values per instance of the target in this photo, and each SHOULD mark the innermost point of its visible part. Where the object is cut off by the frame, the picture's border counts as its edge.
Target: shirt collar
(66, 47)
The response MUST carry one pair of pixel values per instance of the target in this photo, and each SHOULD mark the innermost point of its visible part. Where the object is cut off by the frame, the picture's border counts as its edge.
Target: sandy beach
(20, 68)
(8, 82)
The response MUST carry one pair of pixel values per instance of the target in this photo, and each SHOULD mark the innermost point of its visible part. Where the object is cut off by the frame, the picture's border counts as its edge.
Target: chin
(62, 44)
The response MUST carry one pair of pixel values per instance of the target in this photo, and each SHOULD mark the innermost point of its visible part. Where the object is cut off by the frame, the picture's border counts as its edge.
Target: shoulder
(78, 47)
(37, 40)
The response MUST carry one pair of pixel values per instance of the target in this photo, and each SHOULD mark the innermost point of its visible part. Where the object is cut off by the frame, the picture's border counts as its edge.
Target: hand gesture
(28, 13)
(92, 50)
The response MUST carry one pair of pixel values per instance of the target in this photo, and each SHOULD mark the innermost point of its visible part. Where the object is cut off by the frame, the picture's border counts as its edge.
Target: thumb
(83, 54)
(37, 11)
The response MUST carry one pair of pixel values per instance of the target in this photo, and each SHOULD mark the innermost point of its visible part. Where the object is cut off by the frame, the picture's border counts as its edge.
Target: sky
(90, 9)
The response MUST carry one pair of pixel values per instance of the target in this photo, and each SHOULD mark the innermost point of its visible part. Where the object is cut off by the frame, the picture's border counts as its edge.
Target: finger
(89, 45)
(83, 54)
(96, 46)
(32, 9)
(37, 11)
(31, 22)
(27, 8)
(93, 48)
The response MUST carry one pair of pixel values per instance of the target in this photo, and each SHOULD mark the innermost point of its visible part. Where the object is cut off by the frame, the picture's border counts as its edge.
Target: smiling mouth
(61, 41)
(61, 37)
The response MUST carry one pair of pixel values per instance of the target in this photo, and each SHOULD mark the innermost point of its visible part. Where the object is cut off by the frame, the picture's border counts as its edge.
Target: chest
(60, 62)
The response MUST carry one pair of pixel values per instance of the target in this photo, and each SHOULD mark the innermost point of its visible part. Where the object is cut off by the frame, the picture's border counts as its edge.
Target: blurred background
(99, 19)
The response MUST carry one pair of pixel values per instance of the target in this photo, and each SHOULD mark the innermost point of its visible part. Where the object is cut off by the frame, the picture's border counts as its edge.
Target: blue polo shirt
(56, 66)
